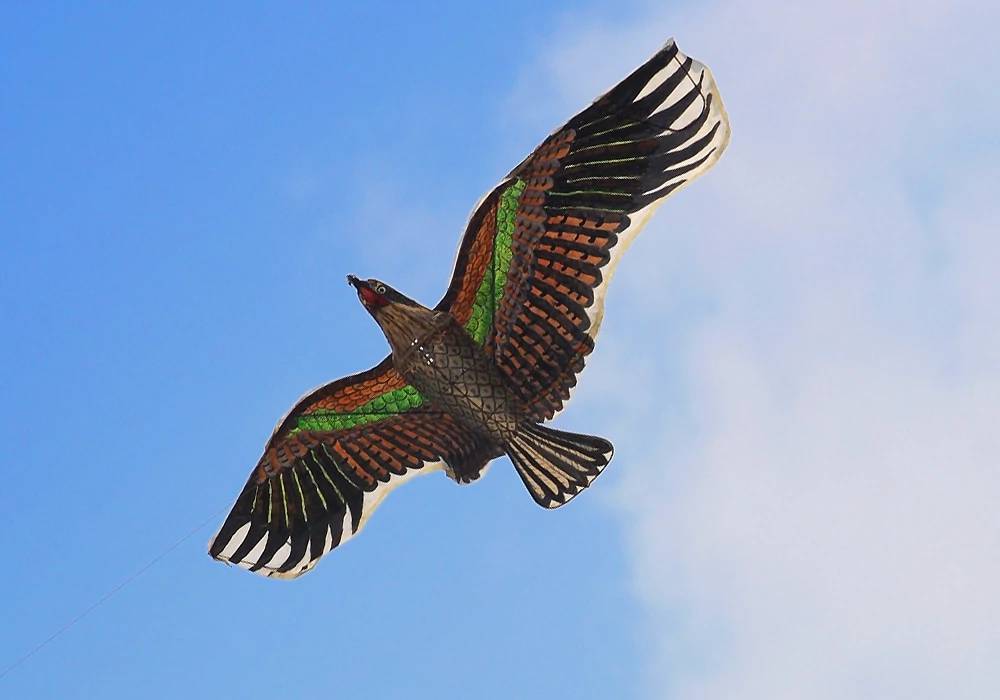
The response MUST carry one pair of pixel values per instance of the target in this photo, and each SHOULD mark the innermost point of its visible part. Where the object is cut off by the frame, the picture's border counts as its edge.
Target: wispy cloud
(812, 451)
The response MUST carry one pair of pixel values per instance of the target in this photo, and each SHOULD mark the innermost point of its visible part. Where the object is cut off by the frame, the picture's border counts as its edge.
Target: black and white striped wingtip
(257, 538)
(677, 98)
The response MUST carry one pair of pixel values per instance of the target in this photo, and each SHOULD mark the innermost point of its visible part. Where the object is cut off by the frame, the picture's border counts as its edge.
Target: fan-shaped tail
(556, 465)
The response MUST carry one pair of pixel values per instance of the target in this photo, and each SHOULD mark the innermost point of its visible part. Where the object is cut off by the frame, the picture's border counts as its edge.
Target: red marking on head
(371, 298)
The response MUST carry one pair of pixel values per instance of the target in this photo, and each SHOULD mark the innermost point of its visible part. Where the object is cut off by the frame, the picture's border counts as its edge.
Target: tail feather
(555, 465)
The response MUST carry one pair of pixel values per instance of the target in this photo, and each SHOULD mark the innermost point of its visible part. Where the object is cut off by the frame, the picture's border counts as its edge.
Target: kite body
(476, 376)
(461, 380)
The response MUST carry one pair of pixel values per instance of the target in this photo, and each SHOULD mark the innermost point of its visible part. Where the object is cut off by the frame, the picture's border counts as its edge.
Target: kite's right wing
(539, 250)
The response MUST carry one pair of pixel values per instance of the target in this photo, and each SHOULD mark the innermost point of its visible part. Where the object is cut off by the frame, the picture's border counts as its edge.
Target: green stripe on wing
(390, 403)
(491, 289)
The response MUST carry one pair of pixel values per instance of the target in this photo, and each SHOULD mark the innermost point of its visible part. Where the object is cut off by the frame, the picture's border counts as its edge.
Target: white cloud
(818, 517)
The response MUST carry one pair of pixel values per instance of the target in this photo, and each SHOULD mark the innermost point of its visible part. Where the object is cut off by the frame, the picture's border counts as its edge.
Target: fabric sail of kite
(474, 377)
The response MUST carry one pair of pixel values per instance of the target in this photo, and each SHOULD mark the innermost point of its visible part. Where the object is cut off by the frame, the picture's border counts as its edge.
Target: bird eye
(380, 289)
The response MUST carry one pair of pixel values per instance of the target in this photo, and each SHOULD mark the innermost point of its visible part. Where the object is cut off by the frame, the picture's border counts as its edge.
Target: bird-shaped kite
(474, 377)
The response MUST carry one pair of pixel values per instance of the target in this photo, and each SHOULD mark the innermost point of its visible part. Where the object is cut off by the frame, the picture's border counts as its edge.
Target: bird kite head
(372, 293)
(375, 295)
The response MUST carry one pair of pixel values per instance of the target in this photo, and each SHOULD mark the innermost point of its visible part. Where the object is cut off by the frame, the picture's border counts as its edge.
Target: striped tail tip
(555, 465)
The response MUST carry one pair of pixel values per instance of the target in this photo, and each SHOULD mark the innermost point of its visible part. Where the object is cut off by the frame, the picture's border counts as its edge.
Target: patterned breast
(457, 376)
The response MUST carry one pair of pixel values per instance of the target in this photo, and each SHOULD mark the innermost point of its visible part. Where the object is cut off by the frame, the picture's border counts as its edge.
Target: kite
(475, 377)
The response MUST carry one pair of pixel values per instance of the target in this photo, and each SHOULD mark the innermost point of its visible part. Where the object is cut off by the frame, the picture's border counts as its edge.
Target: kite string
(111, 593)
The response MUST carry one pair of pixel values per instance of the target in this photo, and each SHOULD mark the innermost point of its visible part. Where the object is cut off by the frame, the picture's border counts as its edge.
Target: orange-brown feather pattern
(480, 255)
(352, 395)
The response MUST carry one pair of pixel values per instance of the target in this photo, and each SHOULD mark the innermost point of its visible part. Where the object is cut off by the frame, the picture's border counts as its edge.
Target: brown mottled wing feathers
(475, 255)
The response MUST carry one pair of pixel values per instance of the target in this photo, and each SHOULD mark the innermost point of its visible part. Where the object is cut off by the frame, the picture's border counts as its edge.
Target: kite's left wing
(539, 250)
(330, 463)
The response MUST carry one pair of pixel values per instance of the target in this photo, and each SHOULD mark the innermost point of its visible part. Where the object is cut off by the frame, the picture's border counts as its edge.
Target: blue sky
(798, 364)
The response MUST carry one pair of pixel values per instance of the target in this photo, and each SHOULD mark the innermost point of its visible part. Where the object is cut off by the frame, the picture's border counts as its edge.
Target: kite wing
(329, 464)
(540, 249)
